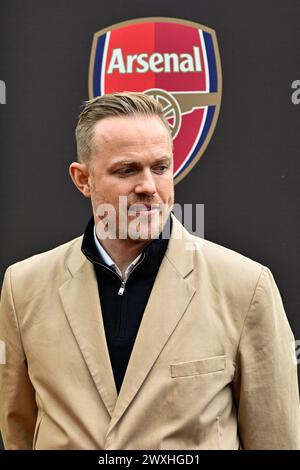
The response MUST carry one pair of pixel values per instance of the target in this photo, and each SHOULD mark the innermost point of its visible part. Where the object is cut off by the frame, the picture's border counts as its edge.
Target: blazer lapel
(80, 299)
(170, 296)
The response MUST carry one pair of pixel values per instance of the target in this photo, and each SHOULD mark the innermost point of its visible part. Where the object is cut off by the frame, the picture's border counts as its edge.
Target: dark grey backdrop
(248, 178)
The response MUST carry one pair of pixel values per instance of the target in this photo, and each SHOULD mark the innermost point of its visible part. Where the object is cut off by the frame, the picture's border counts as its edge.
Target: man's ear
(80, 175)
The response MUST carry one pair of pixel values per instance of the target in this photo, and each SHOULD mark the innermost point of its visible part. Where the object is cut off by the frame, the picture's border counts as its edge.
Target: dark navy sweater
(122, 314)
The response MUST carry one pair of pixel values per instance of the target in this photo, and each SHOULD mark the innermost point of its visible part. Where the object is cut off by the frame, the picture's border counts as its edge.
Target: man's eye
(161, 168)
(125, 171)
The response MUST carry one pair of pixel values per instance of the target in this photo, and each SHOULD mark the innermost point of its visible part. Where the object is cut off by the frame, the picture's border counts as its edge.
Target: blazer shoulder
(225, 263)
(226, 254)
(46, 262)
(221, 265)
(232, 279)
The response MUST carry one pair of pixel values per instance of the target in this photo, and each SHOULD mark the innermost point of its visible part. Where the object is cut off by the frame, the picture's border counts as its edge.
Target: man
(123, 339)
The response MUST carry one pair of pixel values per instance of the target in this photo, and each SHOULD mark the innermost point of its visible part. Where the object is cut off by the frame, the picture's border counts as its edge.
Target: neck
(123, 252)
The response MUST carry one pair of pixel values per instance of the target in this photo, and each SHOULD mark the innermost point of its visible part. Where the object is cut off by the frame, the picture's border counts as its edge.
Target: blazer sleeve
(18, 409)
(265, 383)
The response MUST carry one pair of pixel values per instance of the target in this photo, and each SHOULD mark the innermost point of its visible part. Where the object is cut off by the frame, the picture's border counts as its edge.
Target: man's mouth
(143, 209)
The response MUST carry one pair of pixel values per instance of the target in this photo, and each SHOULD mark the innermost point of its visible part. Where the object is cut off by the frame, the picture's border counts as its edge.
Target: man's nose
(146, 183)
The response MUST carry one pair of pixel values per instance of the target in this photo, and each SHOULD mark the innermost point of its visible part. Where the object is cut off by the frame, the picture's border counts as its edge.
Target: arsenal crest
(175, 61)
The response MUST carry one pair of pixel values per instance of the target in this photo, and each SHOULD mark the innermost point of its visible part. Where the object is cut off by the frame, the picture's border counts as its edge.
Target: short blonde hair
(114, 104)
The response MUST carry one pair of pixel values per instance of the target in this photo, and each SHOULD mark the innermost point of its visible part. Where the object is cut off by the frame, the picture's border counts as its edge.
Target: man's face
(132, 157)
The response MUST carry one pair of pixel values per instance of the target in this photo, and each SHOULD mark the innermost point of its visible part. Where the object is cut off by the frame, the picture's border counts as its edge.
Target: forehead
(130, 131)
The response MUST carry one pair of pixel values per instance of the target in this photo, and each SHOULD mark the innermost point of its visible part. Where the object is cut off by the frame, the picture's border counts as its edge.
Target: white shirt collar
(110, 262)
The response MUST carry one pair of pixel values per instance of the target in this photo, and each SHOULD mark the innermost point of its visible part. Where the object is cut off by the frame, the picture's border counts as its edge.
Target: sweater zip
(122, 288)
(123, 283)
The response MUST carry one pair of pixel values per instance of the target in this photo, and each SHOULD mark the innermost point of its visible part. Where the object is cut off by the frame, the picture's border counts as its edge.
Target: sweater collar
(154, 250)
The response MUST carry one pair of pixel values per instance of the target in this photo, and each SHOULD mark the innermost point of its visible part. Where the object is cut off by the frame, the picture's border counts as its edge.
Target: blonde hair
(114, 104)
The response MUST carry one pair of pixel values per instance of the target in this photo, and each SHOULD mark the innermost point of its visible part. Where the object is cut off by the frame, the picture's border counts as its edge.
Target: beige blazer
(212, 366)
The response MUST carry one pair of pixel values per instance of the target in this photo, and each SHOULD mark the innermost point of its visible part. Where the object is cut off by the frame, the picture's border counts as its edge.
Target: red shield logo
(178, 63)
